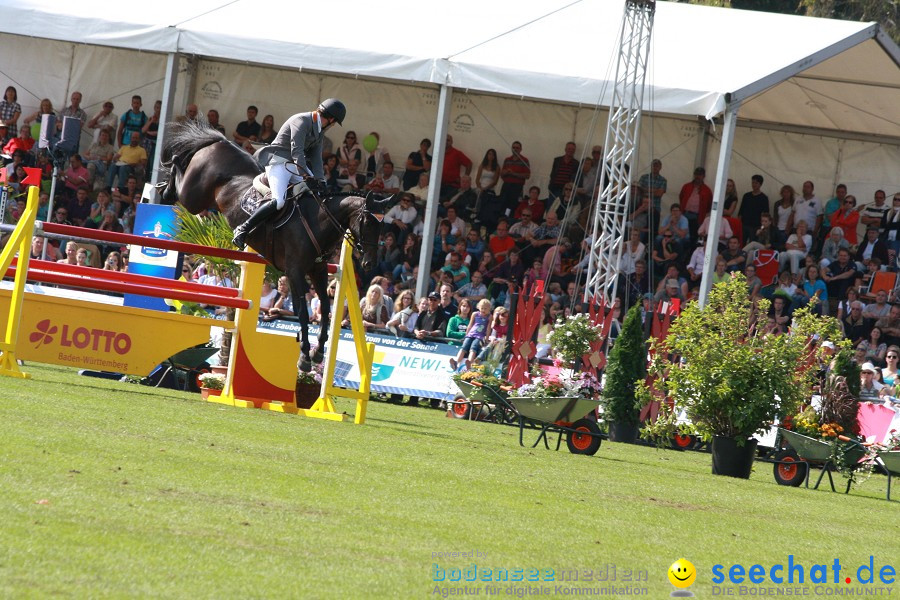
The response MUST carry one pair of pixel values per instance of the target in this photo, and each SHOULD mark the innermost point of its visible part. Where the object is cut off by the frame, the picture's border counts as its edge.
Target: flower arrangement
(551, 386)
(313, 377)
(212, 381)
(572, 338)
(486, 372)
(893, 442)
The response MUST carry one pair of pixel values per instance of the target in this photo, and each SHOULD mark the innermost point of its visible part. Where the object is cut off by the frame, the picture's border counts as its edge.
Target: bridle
(361, 214)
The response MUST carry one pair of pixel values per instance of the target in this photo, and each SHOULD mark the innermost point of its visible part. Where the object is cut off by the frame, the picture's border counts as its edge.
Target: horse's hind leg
(320, 284)
(298, 293)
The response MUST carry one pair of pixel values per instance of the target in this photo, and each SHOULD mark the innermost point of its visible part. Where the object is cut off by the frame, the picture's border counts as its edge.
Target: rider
(299, 141)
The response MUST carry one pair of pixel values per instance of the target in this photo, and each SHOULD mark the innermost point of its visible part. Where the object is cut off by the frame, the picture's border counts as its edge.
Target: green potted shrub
(733, 379)
(626, 365)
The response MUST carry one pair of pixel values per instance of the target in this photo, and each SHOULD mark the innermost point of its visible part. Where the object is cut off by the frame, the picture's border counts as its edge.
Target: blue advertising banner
(402, 365)
(158, 222)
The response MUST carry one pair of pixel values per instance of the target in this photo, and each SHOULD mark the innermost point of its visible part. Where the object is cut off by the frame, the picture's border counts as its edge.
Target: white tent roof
(556, 50)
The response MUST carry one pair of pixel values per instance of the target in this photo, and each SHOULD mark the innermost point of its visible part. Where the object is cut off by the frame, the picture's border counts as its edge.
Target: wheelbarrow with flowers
(556, 403)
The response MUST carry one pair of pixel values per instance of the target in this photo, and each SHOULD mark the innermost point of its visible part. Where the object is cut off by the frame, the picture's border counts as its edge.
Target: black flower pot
(625, 433)
(730, 459)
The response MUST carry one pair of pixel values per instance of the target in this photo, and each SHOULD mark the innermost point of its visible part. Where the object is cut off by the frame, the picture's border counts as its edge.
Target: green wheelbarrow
(482, 403)
(792, 463)
(565, 414)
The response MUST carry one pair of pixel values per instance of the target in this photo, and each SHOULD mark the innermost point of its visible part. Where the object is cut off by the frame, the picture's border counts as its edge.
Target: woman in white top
(796, 248)
(488, 172)
(784, 209)
(404, 308)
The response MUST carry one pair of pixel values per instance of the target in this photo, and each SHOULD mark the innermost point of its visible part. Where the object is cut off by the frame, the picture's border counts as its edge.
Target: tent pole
(715, 218)
(434, 189)
(168, 99)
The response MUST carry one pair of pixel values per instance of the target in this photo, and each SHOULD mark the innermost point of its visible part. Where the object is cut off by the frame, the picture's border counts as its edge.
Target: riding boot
(263, 212)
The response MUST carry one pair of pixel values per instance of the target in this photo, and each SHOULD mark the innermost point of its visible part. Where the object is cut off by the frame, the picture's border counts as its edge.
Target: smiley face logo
(682, 573)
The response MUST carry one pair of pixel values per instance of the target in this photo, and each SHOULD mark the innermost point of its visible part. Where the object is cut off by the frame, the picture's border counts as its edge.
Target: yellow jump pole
(20, 242)
(346, 289)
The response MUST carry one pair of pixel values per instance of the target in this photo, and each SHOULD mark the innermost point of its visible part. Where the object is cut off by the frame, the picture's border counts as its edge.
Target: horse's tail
(183, 140)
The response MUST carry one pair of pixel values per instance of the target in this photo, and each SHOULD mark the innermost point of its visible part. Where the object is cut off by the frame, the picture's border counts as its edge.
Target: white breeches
(280, 179)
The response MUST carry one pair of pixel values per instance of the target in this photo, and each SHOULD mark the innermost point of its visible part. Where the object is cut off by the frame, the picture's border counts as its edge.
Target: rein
(345, 232)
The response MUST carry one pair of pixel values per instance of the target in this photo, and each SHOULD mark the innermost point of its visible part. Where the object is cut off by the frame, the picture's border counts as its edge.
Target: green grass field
(112, 490)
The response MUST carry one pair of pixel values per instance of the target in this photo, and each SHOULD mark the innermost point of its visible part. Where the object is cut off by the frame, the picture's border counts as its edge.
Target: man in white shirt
(105, 118)
(808, 208)
(401, 216)
(874, 213)
(457, 225)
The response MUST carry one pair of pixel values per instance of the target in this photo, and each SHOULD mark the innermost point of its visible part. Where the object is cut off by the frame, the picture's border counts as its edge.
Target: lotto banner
(402, 365)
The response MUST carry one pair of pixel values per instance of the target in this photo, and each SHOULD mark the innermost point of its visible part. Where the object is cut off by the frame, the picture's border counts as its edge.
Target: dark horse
(205, 170)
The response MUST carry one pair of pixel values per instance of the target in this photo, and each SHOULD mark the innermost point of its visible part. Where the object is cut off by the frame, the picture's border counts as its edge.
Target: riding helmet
(334, 109)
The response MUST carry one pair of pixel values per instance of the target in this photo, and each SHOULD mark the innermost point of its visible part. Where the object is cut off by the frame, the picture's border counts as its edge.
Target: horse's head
(369, 228)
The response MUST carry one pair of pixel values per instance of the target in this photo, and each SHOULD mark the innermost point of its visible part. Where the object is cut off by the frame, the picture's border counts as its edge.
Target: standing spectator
(653, 184)
(784, 211)
(105, 119)
(10, 111)
(247, 130)
(150, 130)
(455, 164)
(809, 208)
(753, 205)
(563, 171)
(46, 108)
(695, 200)
(890, 225)
(515, 172)
(731, 199)
(131, 122)
(416, 164)
(486, 179)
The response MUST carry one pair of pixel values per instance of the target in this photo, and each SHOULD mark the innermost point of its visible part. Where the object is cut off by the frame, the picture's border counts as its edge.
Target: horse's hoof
(304, 365)
(318, 357)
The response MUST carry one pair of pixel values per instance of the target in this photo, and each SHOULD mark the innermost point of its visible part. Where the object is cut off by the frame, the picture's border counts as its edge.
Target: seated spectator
(389, 254)
(401, 217)
(542, 237)
(870, 390)
(458, 227)
(444, 243)
(81, 257)
(833, 243)
(725, 232)
(843, 307)
(720, 274)
(431, 323)
(404, 308)
(23, 142)
(267, 295)
(765, 237)
(354, 181)
(459, 323)
(890, 373)
(284, 302)
(475, 334)
(387, 288)
(130, 160)
(80, 207)
(870, 248)
(671, 291)
(103, 204)
(448, 304)
(672, 274)
(374, 312)
(349, 152)
(847, 217)
(856, 328)
(813, 288)
(780, 310)
(499, 329)
(501, 244)
(797, 247)
(735, 257)
(460, 248)
(331, 171)
(114, 263)
(475, 246)
(474, 291)
(642, 217)
(754, 283)
(879, 308)
(636, 285)
(874, 347)
(75, 177)
(389, 182)
(533, 203)
(840, 274)
(889, 325)
(524, 227)
(99, 157)
(463, 201)
(665, 251)
(677, 225)
(409, 258)
(420, 190)
(695, 264)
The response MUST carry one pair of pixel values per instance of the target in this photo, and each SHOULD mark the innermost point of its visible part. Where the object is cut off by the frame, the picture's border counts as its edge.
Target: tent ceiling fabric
(556, 50)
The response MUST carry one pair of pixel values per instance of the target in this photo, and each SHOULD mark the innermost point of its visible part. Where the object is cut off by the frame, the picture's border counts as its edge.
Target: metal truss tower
(620, 147)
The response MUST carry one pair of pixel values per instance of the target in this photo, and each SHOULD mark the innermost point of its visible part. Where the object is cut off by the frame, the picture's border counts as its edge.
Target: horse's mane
(184, 139)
